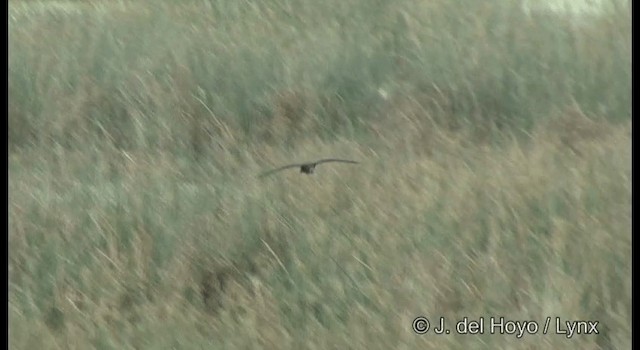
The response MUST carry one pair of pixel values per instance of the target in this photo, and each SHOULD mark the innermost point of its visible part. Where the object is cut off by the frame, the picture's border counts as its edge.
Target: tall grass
(495, 174)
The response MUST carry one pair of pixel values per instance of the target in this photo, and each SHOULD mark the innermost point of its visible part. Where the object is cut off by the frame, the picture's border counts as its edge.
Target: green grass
(495, 175)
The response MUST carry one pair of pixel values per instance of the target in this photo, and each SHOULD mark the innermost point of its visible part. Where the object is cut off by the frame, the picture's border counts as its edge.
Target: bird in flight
(307, 168)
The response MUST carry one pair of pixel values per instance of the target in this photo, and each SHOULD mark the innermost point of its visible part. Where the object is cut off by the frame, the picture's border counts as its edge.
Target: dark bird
(307, 168)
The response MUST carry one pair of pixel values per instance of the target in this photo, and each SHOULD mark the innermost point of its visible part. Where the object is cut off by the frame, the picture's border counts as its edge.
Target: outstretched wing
(336, 160)
(279, 169)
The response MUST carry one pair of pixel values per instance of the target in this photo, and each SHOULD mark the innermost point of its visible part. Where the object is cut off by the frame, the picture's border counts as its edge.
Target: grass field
(494, 178)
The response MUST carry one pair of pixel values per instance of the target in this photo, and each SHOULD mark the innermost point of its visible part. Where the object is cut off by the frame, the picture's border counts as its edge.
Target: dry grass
(136, 219)
(525, 231)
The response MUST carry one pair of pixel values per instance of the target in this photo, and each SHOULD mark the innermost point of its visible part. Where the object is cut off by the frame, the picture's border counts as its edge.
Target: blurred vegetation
(495, 175)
